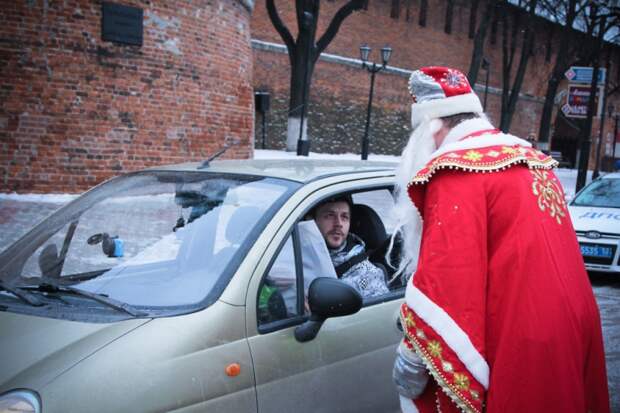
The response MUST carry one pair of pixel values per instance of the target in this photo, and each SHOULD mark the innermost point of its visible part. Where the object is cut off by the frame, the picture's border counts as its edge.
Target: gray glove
(409, 374)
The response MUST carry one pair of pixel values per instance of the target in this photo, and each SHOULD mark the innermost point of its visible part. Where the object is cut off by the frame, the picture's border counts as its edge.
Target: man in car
(347, 250)
(500, 310)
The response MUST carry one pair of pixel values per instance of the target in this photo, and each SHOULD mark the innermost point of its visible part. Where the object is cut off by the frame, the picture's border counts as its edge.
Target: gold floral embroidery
(409, 320)
(434, 347)
(493, 154)
(461, 381)
(549, 194)
(474, 156)
(509, 150)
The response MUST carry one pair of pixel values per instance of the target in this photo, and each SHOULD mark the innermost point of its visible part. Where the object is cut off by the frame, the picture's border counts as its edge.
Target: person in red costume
(499, 313)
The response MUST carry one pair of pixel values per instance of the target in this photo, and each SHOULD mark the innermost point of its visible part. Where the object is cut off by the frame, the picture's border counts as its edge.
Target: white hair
(415, 156)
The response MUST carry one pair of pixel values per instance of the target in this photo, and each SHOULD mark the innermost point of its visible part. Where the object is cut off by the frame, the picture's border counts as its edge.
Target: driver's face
(334, 221)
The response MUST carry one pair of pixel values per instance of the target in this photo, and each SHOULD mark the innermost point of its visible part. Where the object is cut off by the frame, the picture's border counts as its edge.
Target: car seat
(367, 225)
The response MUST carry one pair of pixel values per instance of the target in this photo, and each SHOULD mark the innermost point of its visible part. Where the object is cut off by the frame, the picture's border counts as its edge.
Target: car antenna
(217, 154)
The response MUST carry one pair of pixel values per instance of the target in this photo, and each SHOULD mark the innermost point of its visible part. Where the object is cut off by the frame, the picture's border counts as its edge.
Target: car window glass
(382, 202)
(601, 193)
(161, 240)
(277, 298)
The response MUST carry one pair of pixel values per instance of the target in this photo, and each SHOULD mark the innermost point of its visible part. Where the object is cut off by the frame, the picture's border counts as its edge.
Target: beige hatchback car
(200, 288)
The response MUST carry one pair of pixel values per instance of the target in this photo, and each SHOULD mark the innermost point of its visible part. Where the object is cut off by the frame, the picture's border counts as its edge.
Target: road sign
(577, 100)
(583, 74)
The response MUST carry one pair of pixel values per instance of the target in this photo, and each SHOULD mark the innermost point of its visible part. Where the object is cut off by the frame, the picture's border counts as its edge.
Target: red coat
(500, 308)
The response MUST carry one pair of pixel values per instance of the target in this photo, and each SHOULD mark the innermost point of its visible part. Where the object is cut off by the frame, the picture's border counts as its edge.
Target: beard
(415, 156)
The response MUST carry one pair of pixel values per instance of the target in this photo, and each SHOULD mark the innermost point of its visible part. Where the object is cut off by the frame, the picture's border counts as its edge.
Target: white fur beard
(415, 156)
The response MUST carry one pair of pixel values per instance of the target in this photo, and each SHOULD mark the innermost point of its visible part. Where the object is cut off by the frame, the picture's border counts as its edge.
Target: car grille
(599, 260)
(607, 235)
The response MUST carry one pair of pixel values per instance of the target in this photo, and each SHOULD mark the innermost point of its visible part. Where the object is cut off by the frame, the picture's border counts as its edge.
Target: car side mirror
(327, 297)
(49, 263)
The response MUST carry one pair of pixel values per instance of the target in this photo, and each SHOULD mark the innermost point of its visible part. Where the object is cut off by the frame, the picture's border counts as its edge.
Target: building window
(449, 13)
(423, 10)
(395, 11)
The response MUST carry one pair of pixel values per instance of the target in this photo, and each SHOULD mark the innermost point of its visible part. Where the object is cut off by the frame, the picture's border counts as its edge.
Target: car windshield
(156, 241)
(603, 192)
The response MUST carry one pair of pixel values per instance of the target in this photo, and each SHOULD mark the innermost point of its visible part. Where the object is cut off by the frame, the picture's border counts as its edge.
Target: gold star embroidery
(461, 381)
(434, 347)
(409, 321)
(509, 150)
(473, 156)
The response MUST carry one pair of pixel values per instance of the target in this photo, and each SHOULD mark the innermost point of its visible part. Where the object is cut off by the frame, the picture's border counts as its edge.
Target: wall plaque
(121, 24)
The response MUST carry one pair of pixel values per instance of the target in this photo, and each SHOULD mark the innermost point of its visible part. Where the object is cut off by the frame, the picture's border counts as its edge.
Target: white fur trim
(439, 108)
(450, 332)
(452, 141)
(407, 405)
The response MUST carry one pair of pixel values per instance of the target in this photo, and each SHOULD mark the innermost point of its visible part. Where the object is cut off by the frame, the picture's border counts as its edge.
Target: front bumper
(600, 254)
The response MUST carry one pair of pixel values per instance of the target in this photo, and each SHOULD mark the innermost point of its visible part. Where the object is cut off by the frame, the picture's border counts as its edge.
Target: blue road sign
(583, 74)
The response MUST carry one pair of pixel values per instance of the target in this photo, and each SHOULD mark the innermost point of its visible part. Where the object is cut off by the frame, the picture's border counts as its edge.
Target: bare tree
(481, 33)
(303, 53)
(564, 13)
(510, 94)
(604, 16)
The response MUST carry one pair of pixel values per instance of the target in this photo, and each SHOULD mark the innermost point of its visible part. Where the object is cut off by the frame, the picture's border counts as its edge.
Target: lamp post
(486, 66)
(613, 115)
(303, 145)
(373, 68)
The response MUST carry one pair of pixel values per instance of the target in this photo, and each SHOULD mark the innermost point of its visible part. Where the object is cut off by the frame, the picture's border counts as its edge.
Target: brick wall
(339, 93)
(75, 110)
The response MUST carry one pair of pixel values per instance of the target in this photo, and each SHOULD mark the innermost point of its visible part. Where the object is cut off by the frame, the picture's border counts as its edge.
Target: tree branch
(334, 25)
(280, 27)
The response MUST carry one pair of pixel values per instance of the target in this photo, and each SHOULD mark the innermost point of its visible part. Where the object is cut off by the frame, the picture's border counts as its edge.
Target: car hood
(595, 219)
(36, 350)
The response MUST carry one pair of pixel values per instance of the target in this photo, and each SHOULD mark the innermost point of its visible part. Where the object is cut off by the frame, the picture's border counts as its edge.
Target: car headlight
(20, 401)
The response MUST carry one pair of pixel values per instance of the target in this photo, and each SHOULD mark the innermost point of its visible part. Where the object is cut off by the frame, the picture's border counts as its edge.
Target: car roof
(612, 175)
(300, 170)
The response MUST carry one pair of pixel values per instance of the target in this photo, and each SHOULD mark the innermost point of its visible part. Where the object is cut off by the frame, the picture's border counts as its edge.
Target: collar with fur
(452, 141)
(489, 152)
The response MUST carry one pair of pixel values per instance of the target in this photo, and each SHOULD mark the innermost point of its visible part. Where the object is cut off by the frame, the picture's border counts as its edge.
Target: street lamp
(486, 65)
(613, 115)
(373, 68)
(597, 164)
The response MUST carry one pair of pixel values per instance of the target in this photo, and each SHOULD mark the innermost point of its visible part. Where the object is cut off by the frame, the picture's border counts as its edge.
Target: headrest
(366, 224)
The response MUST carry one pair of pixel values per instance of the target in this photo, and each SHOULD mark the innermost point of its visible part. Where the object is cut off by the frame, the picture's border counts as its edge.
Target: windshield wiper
(21, 294)
(49, 286)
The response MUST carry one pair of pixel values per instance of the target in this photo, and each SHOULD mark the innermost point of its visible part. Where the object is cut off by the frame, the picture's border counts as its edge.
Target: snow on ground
(43, 198)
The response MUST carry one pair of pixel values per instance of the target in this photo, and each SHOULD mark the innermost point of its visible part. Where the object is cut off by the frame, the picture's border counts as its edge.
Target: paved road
(16, 217)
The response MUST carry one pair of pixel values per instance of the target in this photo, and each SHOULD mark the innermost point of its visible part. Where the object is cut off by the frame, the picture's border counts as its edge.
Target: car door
(347, 366)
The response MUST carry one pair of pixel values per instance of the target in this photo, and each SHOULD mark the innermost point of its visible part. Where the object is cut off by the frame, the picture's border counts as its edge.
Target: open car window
(305, 256)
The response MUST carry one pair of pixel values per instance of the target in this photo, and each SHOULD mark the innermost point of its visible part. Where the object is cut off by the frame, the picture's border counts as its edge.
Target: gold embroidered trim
(511, 156)
(435, 348)
(549, 195)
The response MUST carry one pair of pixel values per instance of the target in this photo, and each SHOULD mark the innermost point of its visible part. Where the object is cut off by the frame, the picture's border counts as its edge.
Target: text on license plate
(596, 251)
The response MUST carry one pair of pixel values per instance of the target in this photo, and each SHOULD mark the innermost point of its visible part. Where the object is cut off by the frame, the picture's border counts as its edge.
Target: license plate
(596, 251)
